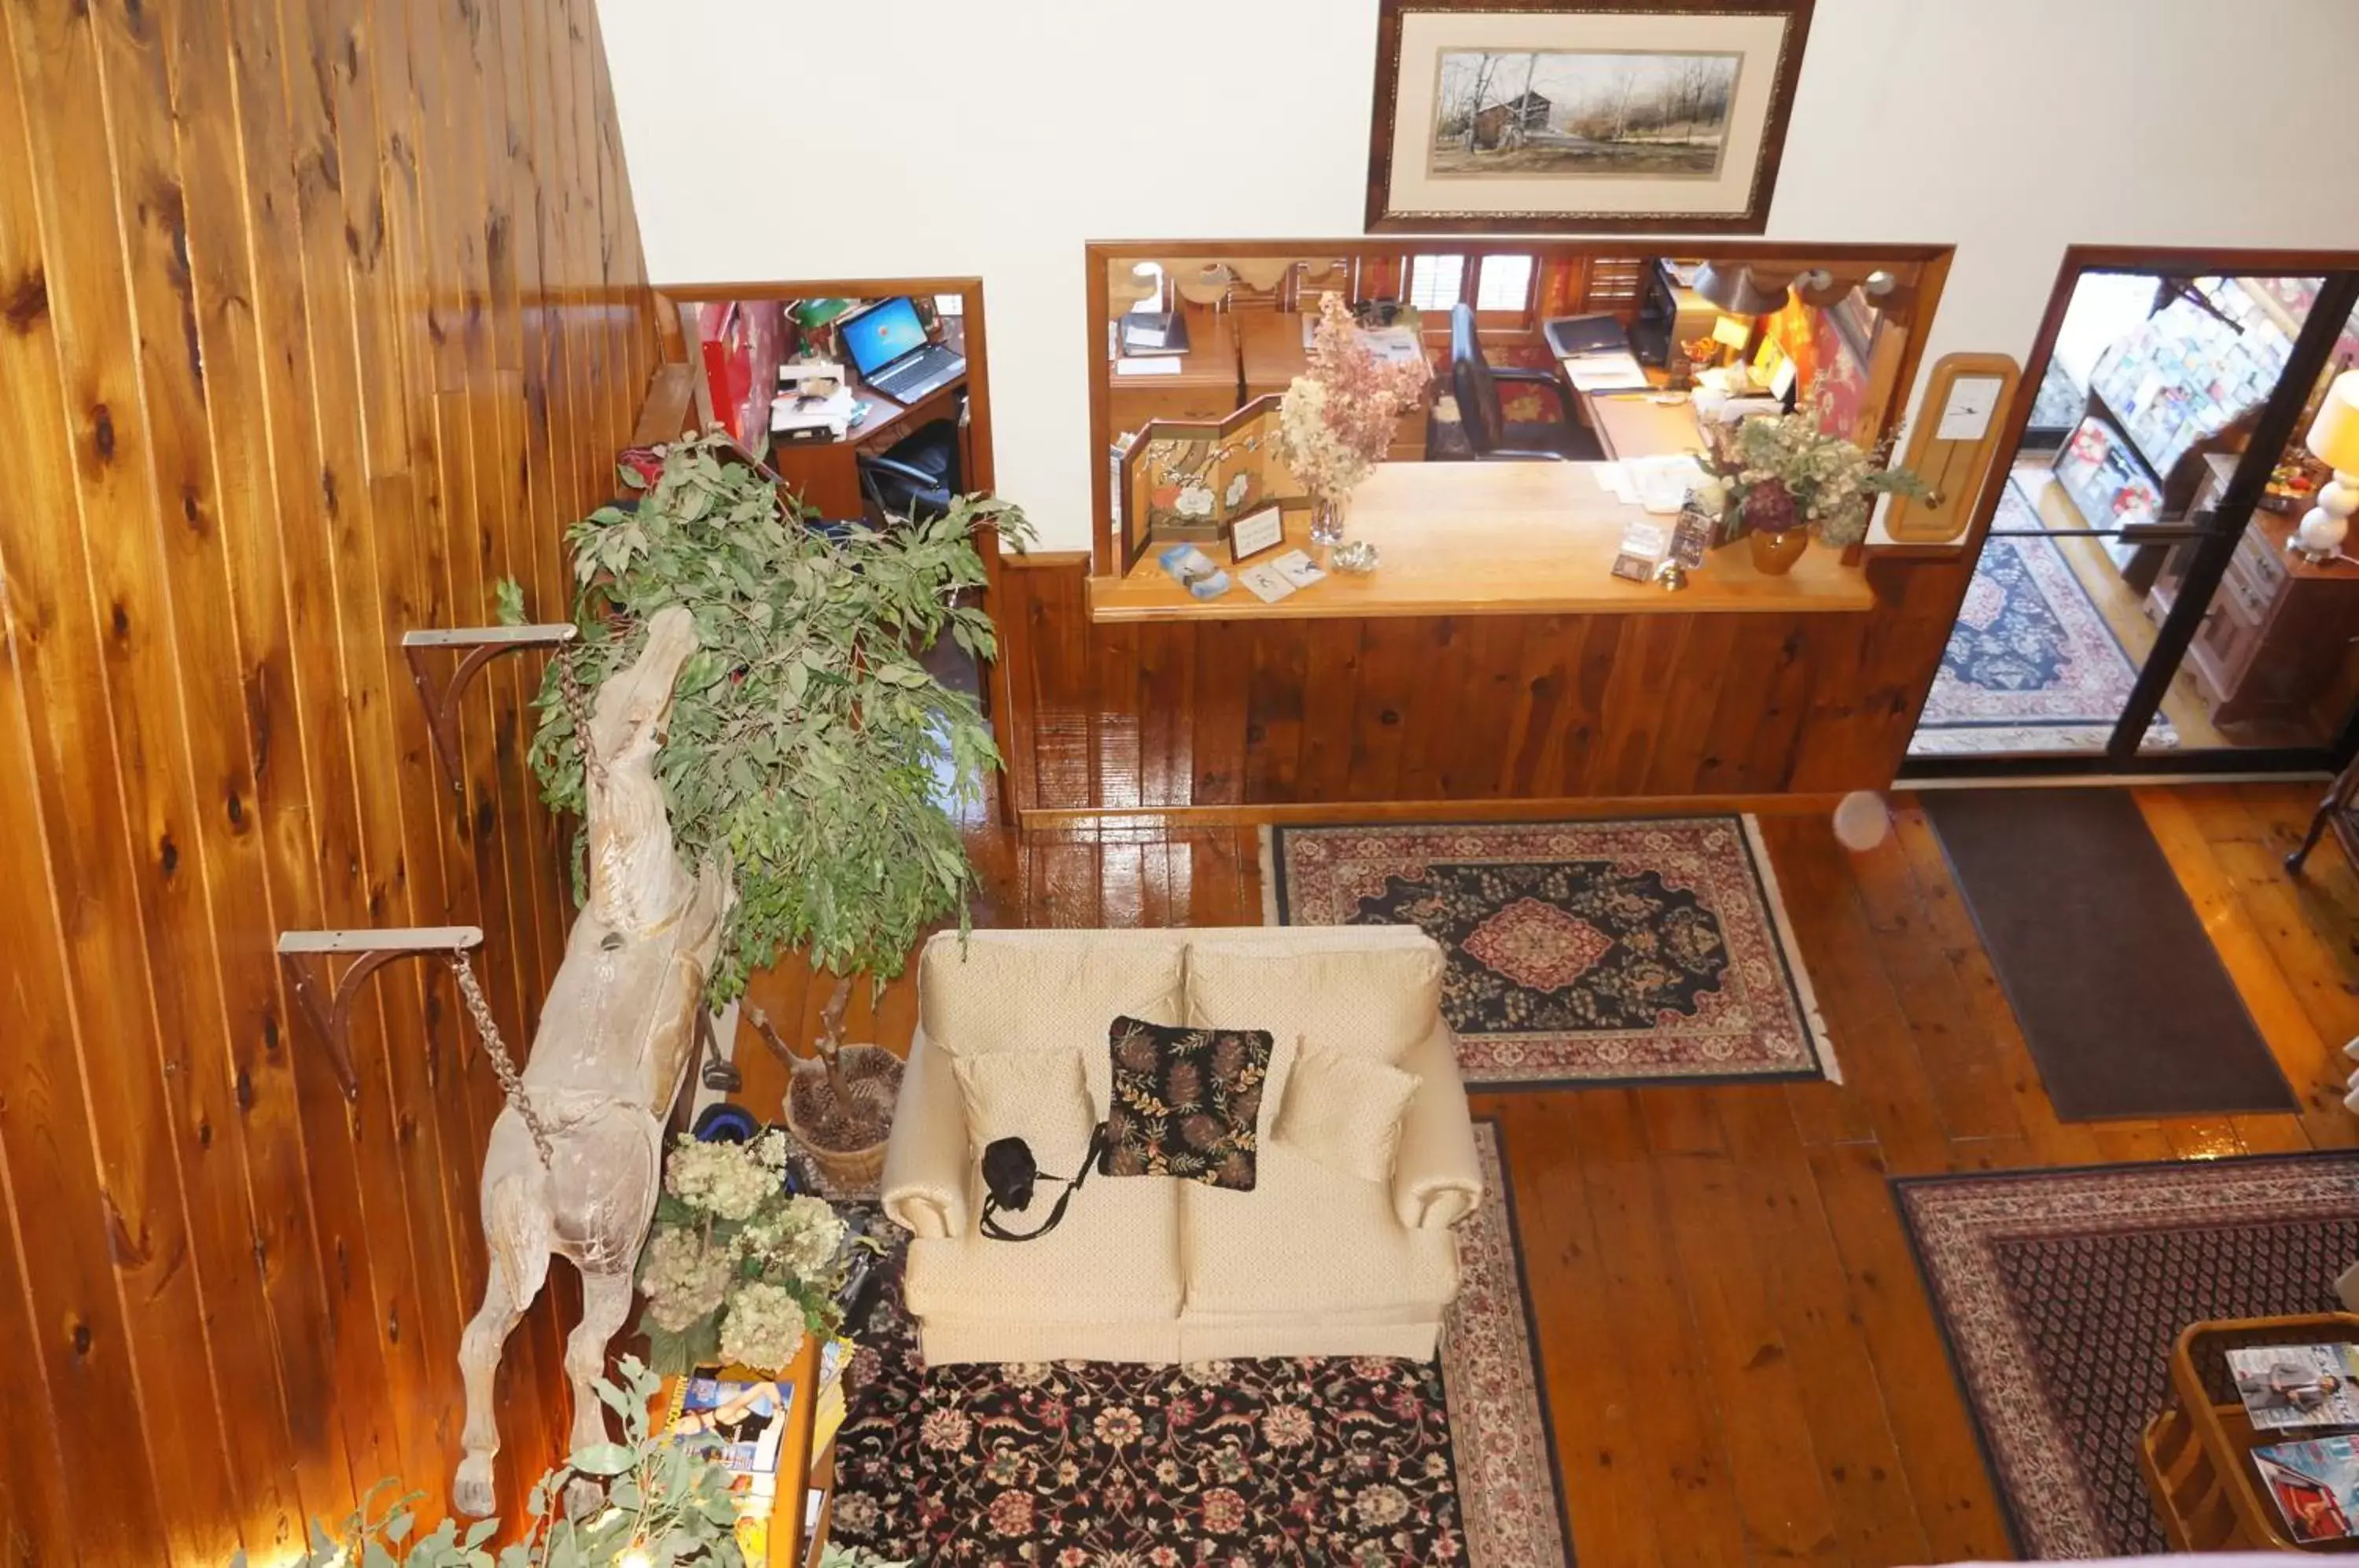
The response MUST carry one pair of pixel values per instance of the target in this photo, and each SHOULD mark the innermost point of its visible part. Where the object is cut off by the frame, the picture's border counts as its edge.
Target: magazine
(2315, 1485)
(750, 1419)
(2287, 1387)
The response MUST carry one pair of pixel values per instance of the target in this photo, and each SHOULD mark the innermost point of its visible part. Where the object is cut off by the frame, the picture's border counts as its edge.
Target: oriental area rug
(2059, 1293)
(1611, 952)
(2032, 664)
(1356, 1461)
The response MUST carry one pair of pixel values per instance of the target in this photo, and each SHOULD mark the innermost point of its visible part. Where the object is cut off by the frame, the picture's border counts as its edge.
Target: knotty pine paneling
(316, 318)
(1470, 708)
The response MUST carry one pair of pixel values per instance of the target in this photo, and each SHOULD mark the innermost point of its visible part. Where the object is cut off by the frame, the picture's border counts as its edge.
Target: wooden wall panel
(1474, 708)
(317, 317)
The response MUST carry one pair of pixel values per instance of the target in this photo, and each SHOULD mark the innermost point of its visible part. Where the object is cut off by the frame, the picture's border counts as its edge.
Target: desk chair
(915, 477)
(1493, 438)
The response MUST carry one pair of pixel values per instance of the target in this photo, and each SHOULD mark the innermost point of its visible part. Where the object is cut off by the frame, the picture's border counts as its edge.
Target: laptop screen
(877, 337)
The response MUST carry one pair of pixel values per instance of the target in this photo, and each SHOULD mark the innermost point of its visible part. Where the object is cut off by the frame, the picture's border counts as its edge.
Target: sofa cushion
(1114, 1257)
(1029, 990)
(1186, 1102)
(1309, 1241)
(1370, 991)
(1040, 1096)
(1344, 1112)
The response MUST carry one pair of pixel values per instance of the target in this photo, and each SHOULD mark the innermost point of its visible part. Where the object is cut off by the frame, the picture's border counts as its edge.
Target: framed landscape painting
(1653, 116)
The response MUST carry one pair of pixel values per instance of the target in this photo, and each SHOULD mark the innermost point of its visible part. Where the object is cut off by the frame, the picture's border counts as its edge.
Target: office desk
(1271, 355)
(1204, 386)
(826, 474)
(1490, 539)
(1632, 424)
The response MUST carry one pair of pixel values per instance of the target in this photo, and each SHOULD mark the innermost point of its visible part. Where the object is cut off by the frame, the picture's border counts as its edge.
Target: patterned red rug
(2059, 1293)
(1076, 1464)
(1625, 952)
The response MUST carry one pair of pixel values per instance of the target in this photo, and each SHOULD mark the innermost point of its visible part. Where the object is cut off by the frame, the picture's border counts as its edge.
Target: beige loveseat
(1314, 1260)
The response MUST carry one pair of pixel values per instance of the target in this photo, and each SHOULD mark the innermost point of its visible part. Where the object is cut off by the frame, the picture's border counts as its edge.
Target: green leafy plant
(807, 740)
(735, 1270)
(650, 1502)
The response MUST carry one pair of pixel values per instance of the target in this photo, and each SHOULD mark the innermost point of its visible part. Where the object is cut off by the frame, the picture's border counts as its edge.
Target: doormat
(2123, 999)
(1075, 1464)
(2058, 1293)
(1611, 952)
(2031, 665)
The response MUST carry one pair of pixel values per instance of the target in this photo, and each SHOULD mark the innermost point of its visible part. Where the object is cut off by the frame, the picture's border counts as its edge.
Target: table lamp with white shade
(2334, 439)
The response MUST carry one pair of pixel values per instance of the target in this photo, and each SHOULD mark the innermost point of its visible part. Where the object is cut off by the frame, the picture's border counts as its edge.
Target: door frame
(2311, 349)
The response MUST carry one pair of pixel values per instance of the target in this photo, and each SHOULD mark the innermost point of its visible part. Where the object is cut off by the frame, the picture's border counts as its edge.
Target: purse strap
(994, 1230)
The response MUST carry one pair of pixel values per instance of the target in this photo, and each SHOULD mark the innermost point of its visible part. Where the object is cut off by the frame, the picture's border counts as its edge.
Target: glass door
(2125, 600)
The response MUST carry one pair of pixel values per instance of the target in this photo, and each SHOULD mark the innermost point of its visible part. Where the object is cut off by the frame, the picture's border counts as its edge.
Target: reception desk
(1491, 538)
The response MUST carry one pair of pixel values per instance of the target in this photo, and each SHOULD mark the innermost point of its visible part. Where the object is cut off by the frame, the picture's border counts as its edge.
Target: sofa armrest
(1437, 1172)
(925, 1182)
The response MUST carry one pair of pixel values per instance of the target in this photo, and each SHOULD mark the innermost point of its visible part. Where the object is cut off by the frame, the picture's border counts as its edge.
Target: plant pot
(1774, 554)
(872, 1076)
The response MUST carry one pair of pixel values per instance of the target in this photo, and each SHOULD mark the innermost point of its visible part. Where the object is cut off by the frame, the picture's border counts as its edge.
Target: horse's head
(636, 883)
(634, 707)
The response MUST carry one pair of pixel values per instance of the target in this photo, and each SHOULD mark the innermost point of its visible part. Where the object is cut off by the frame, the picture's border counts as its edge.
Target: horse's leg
(605, 1304)
(516, 1232)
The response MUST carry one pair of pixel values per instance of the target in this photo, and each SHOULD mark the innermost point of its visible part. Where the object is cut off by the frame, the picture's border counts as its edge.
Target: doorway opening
(2142, 600)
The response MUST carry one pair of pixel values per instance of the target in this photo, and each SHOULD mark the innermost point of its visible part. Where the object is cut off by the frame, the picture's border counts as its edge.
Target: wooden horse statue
(575, 1167)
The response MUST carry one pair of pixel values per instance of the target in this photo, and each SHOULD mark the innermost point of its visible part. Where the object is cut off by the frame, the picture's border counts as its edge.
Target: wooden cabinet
(2274, 633)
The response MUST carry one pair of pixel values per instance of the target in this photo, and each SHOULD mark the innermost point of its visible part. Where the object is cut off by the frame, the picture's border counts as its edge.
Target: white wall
(784, 139)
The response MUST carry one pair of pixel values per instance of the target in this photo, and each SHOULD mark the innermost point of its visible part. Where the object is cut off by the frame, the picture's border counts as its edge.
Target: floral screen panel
(1188, 479)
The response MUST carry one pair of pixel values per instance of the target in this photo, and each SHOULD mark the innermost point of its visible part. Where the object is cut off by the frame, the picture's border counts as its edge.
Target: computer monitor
(882, 333)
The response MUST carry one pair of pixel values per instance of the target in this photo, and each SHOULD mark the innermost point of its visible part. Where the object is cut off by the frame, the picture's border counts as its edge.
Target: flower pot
(872, 1074)
(1774, 554)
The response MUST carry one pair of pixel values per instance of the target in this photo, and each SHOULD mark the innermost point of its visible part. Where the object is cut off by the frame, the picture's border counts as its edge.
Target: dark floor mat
(2124, 1003)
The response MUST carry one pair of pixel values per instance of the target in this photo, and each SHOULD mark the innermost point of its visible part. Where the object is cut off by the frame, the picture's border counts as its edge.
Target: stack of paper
(1663, 482)
(1606, 371)
(833, 413)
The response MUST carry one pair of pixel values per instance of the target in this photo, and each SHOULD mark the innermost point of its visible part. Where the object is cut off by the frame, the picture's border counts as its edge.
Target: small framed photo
(1642, 548)
(1258, 532)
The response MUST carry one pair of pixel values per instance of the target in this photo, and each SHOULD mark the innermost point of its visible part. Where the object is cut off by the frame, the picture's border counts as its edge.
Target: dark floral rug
(1617, 951)
(2031, 665)
(1241, 1464)
(2059, 1293)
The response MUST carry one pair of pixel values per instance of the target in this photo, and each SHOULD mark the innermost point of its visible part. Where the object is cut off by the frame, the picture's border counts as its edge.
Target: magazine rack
(2197, 1455)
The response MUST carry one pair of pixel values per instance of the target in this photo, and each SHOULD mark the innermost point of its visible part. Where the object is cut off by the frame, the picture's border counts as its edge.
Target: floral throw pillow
(1185, 1101)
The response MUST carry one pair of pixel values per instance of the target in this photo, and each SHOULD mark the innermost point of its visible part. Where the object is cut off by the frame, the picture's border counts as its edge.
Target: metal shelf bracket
(481, 645)
(304, 955)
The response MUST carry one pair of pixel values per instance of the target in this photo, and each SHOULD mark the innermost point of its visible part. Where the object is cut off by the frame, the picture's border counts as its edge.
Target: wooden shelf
(1490, 539)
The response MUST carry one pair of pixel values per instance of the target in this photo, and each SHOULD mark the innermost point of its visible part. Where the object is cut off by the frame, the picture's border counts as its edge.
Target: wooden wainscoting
(319, 318)
(1273, 712)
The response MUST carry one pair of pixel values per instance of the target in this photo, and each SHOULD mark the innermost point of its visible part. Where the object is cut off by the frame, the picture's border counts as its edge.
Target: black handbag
(1009, 1177)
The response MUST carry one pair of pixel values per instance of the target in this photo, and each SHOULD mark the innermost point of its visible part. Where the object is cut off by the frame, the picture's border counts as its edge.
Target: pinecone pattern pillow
(1185, 1101)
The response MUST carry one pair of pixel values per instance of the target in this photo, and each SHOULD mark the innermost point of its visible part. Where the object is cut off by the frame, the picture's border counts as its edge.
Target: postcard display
(2175, 386)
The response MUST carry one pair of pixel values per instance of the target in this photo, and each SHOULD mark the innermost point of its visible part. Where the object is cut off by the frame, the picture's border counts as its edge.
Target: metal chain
(502, 1064)
(577, 707)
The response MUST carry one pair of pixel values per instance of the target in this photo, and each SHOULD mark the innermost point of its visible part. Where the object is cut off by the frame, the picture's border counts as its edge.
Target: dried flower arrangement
(1780, 472)
(1336, 422)
(736, 1270)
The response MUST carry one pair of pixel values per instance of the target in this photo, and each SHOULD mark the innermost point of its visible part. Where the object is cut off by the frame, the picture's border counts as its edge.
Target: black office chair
(1492, 437)
(915, 477)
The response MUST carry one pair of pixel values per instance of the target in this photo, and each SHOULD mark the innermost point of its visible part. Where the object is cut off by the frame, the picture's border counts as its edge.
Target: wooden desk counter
(1490, 539)
(1633, 424)
(1203, 387)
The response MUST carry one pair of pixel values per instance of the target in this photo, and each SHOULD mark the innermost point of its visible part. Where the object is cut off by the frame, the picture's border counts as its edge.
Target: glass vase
(1327, 519)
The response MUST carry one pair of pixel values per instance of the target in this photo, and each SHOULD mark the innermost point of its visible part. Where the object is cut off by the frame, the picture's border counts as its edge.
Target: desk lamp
(2334, 439)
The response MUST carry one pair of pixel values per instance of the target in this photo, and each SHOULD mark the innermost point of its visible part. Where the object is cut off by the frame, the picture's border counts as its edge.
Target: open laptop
(887, 347)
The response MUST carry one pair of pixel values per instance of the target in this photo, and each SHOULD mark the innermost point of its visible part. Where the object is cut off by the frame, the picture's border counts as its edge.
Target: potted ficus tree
(807, 740)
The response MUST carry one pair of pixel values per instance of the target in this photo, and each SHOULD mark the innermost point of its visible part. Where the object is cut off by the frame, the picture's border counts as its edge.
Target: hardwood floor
(1741, 1365)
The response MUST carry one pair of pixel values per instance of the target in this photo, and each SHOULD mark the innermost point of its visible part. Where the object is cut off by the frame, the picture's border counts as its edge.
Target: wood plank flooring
(1740, 1362)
